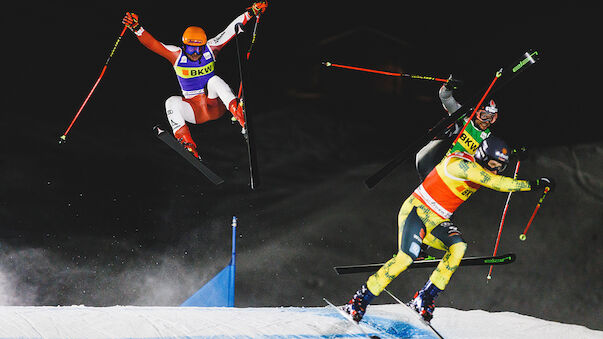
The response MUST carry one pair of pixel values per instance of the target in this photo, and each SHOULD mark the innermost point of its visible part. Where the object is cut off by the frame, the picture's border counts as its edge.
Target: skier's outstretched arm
(216, 43)
(167, 51)
(220, 40)
(471, 171)
(448, 101)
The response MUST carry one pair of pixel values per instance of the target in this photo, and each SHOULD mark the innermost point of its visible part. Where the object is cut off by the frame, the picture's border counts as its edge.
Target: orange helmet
(194, 36)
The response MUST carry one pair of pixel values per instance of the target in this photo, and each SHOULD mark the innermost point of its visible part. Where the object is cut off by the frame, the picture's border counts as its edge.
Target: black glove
(542, 183)
(453, 84)
(521, 153)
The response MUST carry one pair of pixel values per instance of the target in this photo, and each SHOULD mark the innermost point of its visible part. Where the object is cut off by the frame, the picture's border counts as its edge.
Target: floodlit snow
(384, 321)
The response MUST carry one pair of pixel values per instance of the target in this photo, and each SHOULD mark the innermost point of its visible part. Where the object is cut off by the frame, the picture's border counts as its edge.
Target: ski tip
(506, 259)
(157, 130)
(370, 184)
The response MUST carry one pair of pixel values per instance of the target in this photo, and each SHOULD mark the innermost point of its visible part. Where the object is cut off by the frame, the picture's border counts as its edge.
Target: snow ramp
(382, 321)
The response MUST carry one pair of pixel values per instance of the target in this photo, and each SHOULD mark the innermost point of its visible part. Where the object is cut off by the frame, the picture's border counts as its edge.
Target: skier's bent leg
(411, 231)
(442, 274)
(178, 111)
(448, 237)
(377, 282)
(218, 88)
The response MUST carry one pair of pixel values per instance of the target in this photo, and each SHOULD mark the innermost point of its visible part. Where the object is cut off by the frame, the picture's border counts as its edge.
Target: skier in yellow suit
(425, 218)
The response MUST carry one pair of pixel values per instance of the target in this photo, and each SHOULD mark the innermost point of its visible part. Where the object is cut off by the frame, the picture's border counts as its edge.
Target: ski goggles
(497, 165)
(188, 49)
(488, 114)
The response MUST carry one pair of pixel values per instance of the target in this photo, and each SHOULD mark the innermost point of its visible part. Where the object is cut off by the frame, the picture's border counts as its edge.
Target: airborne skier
(425, 218)
(477, 130)
(204, 94)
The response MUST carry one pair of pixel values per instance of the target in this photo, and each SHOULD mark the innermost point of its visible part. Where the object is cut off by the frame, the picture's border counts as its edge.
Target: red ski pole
(502, 221)
(498, 74)
(63, 137)
(368, 70)
(522, 236)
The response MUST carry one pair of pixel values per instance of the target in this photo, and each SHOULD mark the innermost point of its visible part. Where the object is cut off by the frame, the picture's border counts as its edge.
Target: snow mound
(383, 321)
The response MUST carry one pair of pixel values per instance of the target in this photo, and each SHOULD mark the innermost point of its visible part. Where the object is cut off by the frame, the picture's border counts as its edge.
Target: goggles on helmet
(487, 112)
(485, 115)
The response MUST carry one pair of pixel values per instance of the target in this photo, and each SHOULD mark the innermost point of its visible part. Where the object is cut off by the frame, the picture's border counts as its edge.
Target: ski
(251, 154)
(528, 58)
(169, 139)
(349, 318)
(417, 314)
(431, 262)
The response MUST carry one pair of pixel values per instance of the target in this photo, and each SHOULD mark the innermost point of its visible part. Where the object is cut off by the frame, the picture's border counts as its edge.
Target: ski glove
(131, 21)
(258, 8)
(521, 153)
(453, 84)
(542, 183)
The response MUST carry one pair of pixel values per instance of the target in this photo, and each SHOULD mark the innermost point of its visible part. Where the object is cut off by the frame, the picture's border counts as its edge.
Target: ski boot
(183, 135)
(356, 307)
(236, 108)
(423, 301)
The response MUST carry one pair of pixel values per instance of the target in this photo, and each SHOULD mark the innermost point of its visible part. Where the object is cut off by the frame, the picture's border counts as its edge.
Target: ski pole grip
(547, 189)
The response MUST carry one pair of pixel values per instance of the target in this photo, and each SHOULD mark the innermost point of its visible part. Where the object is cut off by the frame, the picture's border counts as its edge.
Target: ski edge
(503, 259)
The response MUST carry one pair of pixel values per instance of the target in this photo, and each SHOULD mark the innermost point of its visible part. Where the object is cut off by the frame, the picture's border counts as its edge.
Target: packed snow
(383, 321)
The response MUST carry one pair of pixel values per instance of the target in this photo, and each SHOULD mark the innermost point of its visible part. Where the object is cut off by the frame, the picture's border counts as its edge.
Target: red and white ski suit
(204, 93)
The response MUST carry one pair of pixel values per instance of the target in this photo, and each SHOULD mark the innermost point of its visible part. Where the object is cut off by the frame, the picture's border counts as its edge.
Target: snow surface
(384, 321)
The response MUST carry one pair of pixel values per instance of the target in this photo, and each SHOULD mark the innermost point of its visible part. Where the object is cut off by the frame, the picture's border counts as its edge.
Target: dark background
(115, 217)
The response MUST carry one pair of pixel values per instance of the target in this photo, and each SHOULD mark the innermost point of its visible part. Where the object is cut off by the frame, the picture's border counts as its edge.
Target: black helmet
(493, 148)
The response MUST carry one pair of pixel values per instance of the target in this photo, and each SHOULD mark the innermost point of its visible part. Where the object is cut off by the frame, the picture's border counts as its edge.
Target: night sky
(115, 217)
